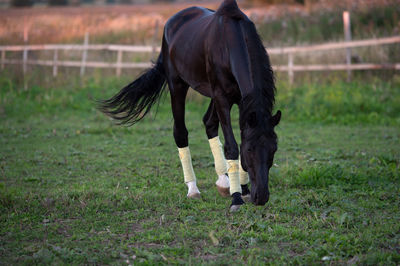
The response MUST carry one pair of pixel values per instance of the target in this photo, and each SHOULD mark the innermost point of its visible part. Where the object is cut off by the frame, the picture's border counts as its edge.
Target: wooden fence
(118, 65)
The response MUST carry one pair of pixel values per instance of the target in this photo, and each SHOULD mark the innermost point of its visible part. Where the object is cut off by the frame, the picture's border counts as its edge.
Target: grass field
(76, 189)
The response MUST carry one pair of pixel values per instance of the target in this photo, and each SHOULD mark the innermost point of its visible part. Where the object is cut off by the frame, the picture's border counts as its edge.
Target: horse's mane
(263, 99)
(263, 75)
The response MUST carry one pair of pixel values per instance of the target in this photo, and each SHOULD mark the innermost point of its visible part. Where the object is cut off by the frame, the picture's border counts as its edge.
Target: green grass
(76, 189)
(361, 101)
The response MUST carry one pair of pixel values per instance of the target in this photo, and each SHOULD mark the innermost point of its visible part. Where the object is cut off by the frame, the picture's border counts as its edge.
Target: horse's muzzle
(260, 197)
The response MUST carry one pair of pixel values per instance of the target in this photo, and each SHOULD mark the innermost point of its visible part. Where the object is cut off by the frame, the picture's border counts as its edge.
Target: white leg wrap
(219, 158)
(243, 175)
(233, 172)
(188, 173)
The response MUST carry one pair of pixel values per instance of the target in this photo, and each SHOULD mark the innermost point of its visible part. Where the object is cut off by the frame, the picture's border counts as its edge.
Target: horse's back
(199, 44)
(184, 35)
(183, 18)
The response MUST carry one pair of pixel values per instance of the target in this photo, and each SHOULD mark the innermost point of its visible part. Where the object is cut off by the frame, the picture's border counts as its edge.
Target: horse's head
(259, 144)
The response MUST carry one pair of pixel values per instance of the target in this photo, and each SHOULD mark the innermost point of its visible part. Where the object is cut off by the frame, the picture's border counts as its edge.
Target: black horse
(220, 55)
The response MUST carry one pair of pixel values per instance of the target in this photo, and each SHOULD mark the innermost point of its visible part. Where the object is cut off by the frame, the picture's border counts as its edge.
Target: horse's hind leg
(211, 123)
(178, 90)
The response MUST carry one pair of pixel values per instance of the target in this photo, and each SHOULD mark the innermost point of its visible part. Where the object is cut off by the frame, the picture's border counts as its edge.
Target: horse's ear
(276, 118)
(252, 120)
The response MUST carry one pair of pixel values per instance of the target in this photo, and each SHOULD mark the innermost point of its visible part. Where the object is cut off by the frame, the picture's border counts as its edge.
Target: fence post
(3, 58)
(55, 58)
(84, 53)
(153, 52)
(347, 36)
(25, 52)
(290, 68)
(119, 61)
(25, 57)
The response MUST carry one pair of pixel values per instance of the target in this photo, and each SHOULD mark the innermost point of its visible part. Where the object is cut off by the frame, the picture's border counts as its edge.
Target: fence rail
(109, 47)
(334, 46)
(334, 67)
(290, 68)
(78, 63)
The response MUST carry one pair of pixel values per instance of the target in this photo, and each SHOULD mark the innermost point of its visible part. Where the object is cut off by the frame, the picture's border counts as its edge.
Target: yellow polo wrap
(219, 158)
(243, 175)
(233, 173)
(186, 160)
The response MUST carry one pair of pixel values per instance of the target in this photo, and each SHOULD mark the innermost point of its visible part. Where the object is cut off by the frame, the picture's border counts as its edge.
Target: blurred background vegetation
(372, 96)
(280, 22)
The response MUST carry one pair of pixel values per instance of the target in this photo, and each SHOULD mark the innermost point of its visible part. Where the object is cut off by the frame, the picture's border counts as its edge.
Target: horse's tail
(135, 100)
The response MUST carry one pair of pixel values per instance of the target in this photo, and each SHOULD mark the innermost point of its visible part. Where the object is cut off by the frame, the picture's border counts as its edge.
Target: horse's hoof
(194, 195)
(223, 191)
(246, 198)
(236, 202)
(234, 208)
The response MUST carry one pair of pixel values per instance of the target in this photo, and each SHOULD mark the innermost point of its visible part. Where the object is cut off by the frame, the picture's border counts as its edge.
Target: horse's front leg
(211, 123)
(178, 91)
(231, 150)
